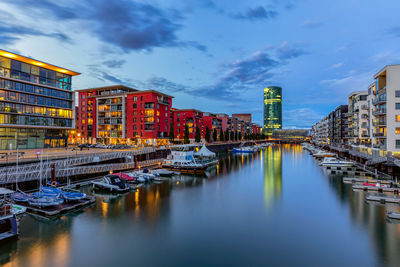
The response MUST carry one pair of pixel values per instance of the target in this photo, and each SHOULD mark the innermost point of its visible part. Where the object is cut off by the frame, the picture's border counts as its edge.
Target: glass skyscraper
(36, 103)
(272, 109)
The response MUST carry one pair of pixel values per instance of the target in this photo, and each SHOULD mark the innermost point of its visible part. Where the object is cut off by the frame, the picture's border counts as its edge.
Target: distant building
(272, 109)
(36, 103)
(292, 134)
(243, 116)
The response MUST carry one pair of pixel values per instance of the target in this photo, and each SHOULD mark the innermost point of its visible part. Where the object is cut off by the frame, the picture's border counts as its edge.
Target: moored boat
(184, 159)
(334, 162)
(323, 154)
(111, 183)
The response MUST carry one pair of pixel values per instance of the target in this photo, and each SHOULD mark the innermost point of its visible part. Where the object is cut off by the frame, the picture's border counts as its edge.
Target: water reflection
(370, 216)
(272, 165)
(186, 212)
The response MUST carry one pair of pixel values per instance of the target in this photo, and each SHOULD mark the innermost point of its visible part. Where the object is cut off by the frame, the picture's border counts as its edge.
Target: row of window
(33, 99)
(149, 106)
(23, 87)
(27, 109)
(29, 72)
(35, 121)
(33, 79)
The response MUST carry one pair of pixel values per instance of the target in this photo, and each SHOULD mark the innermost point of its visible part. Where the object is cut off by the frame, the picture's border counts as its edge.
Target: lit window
(397, 117)
(397, 130)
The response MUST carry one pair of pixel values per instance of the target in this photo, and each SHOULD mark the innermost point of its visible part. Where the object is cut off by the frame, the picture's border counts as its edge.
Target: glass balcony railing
(379, 112)
(379, 100)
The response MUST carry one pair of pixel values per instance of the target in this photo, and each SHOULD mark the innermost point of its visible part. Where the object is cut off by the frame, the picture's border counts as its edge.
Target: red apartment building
(120, 114)
(191, 117)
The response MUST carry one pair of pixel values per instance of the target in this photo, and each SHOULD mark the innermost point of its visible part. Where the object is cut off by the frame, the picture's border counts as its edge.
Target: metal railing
(74, 171)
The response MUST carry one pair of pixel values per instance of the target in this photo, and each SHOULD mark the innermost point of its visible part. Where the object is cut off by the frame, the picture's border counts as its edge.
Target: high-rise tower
(272, 109)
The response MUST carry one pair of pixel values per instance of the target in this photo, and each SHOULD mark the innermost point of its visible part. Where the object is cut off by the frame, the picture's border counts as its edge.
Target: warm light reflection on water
(272, 174)
(272, 208)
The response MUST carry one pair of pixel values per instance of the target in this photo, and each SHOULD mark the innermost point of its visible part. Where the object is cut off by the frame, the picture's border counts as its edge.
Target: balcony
(379, 135)
(379, 100)
(379, 112)
(380, 123)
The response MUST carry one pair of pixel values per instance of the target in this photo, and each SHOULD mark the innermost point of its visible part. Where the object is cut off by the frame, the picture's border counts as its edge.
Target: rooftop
(35, 62)
(111, 87)
(384, 69)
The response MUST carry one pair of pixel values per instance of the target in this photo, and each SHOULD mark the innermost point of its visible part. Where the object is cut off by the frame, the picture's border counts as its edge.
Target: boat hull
(337, 165)
(188, 170)
(110, 188)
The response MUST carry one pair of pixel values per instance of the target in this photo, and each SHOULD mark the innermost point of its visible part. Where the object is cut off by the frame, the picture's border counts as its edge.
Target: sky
(214, 55)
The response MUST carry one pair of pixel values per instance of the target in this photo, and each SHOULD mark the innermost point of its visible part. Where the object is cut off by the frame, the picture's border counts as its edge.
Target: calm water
(276, 207)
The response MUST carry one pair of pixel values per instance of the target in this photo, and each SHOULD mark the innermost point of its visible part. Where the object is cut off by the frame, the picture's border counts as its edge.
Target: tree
(207, 135)
(171, 133)
(215, 135)
(227, 135)
(221, 135)
(197, 135)
(186, 135)
(232, 138)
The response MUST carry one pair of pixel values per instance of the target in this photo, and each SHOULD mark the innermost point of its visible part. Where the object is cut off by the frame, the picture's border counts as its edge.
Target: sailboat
(44, 197)
(19, 196)
(69, 194)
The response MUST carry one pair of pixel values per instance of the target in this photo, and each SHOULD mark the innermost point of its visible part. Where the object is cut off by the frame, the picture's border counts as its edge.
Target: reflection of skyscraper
(272, 174)
(272, 109)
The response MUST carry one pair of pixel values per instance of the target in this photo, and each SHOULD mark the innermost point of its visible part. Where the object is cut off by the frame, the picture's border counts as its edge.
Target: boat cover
(205, 152)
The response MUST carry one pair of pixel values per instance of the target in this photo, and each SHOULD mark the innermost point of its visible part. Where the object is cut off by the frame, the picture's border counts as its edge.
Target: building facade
(272, 109)
(122, 115)
(358, 118)
(36, 103)
(242, 116)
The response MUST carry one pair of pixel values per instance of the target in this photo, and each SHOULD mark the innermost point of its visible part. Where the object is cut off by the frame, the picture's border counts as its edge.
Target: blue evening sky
(214, 55)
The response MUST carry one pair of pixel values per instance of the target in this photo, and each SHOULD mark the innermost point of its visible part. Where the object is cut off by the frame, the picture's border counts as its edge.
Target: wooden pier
(355, 180)
(383, 199)
(393, 190)
(60, 209)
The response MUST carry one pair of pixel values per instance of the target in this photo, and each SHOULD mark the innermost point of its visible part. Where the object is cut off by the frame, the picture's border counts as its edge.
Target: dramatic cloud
(114, 64)
(11, 33)
(240, 76)
(166, 86)
(256, 13)
(129, 25)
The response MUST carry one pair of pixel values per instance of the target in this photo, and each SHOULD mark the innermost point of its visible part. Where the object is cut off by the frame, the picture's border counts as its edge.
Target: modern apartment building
(340, 125)
(358, 118)
(191, 117)
(120, 114)
(36, 103)
(387, 108)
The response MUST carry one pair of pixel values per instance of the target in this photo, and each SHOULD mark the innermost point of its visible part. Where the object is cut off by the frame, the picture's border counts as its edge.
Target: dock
(393, 190)
(383, 199)
(60, 209)
(355, 180)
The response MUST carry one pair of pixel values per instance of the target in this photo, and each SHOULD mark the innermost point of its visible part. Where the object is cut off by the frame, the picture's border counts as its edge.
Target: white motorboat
(166, 173)
(334, 162)
(323, 154)
(393, 215)
(111, 183)
(184, 159)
